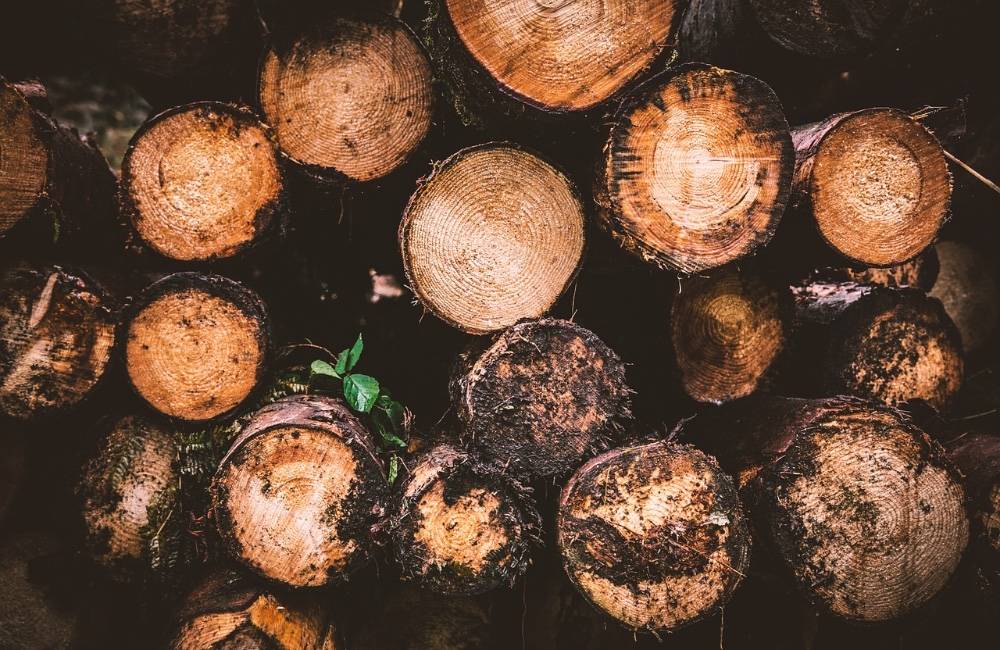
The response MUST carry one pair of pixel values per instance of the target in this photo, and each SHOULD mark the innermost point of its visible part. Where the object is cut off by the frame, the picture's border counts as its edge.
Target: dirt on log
(860, 506)
(653, 535)
(298, 494)
(541, 398)
(697, 169)
(919, 273)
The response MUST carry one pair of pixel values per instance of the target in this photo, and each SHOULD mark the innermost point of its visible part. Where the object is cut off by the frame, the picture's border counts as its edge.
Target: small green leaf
(355, 353)
(361, 391)
(323, 368)
(393, 469)
(342, 361)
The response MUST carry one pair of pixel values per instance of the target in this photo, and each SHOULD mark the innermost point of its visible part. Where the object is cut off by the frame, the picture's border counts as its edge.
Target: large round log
(541, 398)
(196, 345)
(697, 169)
(875, 181)
(462, 527)
(57, 334)
(202, 181)
(299, 491)
(653, 535)
(862, 508)
(492, 236)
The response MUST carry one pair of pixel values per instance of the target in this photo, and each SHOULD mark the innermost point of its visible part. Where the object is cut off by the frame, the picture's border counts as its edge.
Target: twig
(982, 179)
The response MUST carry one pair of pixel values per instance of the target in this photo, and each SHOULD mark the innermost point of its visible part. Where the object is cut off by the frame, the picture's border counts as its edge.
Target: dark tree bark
(969, 289)
(978, 456)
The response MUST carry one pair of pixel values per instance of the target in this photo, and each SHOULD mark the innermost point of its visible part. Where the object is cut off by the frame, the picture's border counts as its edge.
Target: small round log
(727, 330)
(541, 398)
(978, 457)
(128, 490)
(196, 345)
(461, 527)
(891, 345)
(968, 287)
(57, 334)
(492, 236)
(653, 535)
(876, 182)
(347, 98)
(297, 495)
(228, 610)
(697, 169)
(202, 181)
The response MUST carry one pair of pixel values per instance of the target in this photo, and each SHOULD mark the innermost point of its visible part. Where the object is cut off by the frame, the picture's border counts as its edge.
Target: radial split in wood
(493, 236)
(697, 170)
(346, 97)
(541, 398)
(462, 527)
(298, 492)
(968, 287)
(197, 345)
(653, 535)
(876, 181)
(201, 181)
(57, 333)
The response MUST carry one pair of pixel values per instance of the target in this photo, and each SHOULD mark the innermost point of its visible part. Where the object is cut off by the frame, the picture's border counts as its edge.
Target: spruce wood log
(541, 398)
(968, 287)
(492, 236)
(697, 169)
(347, 98)
(13, 466)
(29, 616)
(128, 491)
(978, 457)
(890, 345)
(875, 181)
(727, 329)
(653, 535)
(57, 334)
(299, 491)
(462, 527)
(202, 181)
(860, 506)
(919, 273)
(52, 180)
(229, 611)
(196, 345)
(555, 55)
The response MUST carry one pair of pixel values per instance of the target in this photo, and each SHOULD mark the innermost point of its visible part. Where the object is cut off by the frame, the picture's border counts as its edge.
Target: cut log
(727, 330)
(653, 535)
(197, 345)
(299, 491)
(57, 333)
(541, 398)
(978, 456)
(968, 287)
(348, 99)
(202, 181)
(919, 273)
(462, 527)
(697, 170)
(859, 505)
(493, 236)
(52, 181)
(230, 611)
(875, 181)
(556, 56)
(890, 345)
(711, 29)
(129, 489)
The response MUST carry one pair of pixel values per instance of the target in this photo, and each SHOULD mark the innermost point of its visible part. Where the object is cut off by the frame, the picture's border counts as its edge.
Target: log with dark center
(697, 170)
(202, 181)
(461, 527)
(968, 287)
(493, 236)
(727, 330)
(128, 490)
(52, 181)
(653, 535)
(347, 98)
(862, 507)
(978, 456)
(57, 333)
(891, 345)
(196, 345)
(228, 610)
(875, 181)
(299, 491)
(541, 398)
